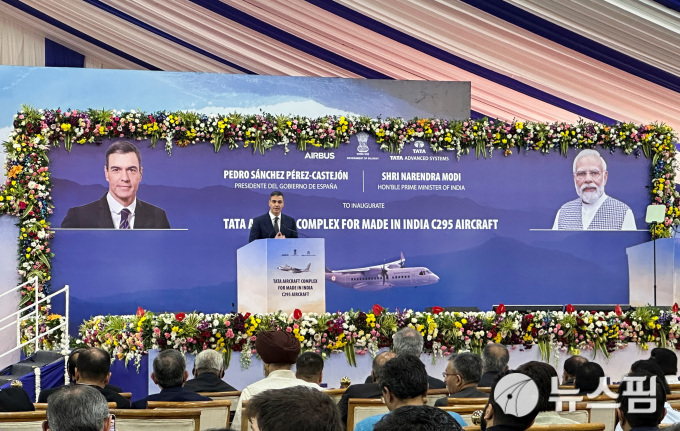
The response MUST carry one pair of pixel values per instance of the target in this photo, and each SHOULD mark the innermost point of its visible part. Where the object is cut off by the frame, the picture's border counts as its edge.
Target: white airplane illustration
(384, 276)
(293, 269)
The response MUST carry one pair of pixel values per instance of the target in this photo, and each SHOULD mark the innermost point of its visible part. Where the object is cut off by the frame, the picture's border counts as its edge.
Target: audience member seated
(641, 406)
(668, 362)
(461, 376)
(543, 374)
(309, 367)
(295, 408)
(279, 350)
(403, 381)
(589, 377)
(500, 414)
(77, 407)
(495, 358)
(15, 399)
(570, 366)
(408, 341)
(365, 390)
(417, 418)
(169, 373)
(93, 368)
(652, 367)
(208, 373)
(71, 369)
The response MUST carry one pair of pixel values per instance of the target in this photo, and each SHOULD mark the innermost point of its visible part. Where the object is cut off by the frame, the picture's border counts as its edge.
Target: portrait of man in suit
(119, 208)
(273, 224)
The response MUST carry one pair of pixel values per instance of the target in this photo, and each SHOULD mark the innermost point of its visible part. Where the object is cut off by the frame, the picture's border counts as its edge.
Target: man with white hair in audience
(408, 341)
(77, 407)
(495, 358)
(208, 373)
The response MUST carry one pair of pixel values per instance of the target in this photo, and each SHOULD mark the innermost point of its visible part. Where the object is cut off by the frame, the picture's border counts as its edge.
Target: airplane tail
(308, 266)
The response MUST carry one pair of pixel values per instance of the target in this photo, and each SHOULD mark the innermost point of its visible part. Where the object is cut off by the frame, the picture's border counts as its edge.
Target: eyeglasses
(595, 174)
(445, 374)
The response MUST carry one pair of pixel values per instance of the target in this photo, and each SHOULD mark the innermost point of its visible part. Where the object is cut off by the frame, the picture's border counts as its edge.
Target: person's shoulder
(150, 207)
(617, 203)
(571, 203)
(368, 423)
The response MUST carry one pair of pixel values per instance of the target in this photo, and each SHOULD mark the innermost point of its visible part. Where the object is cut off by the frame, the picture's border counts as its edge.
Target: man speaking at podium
(273, 224)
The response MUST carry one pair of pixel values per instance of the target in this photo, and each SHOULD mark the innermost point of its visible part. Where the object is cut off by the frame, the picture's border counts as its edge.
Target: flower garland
(353, 333)
(27, 191)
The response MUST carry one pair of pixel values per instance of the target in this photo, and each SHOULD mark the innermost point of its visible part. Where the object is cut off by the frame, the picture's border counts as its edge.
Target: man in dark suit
(461, 376)
(169, 372)
(208, 372)
(71, 369)
(365, 390)
(495, 358)
(119, 208)
(93, 369)
(273, 224)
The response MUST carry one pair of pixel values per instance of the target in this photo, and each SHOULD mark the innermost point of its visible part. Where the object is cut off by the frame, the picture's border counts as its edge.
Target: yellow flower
(458, 325)
(175, 329)
(65, 127)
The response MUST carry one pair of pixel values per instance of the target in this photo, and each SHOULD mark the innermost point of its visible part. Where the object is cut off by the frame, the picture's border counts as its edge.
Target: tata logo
(363, 139)
(418, 147)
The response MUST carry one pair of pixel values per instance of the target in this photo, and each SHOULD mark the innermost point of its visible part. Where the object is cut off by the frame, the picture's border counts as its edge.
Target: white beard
(590, 197)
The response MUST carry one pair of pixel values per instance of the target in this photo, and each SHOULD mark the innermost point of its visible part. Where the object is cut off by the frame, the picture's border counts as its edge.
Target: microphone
(294, 231)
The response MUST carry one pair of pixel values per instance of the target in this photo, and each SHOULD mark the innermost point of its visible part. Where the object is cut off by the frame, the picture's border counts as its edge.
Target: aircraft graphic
(384, 276)
(293, 269)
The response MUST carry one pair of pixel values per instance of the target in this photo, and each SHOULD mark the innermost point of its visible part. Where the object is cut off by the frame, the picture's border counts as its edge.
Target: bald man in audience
(208, 373)
(93, 368)
(365, 390)
(570, 366)
(279, 350)
(495, 358)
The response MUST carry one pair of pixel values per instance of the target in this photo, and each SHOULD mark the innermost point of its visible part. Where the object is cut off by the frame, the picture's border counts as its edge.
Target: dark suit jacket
(263, 228)
(487, 379)
(362, 390)
(97, 215)
(208, 382)
(45, 393)
(15, 400)
(464, 393)
(114, 397)
(170, 394)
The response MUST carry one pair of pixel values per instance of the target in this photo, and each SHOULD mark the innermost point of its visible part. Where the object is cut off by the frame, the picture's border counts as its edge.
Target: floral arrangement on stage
(27, 191)
(360, 333)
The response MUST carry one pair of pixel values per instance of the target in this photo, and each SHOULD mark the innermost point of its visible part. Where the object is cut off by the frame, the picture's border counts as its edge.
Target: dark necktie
(124, 222)
(276, 225)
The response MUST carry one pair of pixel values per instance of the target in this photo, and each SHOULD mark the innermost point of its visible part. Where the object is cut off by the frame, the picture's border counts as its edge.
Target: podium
(641, 273)
(281, 275)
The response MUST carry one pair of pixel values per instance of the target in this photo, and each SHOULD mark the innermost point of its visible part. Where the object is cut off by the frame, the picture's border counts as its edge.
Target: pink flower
(230, 333)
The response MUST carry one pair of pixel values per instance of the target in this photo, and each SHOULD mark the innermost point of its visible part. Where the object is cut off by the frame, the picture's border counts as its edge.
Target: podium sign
(641, 272)
(282, 275)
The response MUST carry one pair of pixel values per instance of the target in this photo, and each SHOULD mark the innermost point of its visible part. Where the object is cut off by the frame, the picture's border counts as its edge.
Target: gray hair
(77, 407)
(209, 360)
(168, 368)
(590, 152)
(407, 341)
(495, 358)
(469, 366)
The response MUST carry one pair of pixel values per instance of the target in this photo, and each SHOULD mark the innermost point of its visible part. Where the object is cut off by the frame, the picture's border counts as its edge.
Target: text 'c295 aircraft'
(384, 276)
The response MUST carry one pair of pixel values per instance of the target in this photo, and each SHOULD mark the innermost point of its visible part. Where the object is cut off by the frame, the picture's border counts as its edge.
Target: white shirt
(272, 216)
(115, 207)
(277, 379)
(588, 212)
